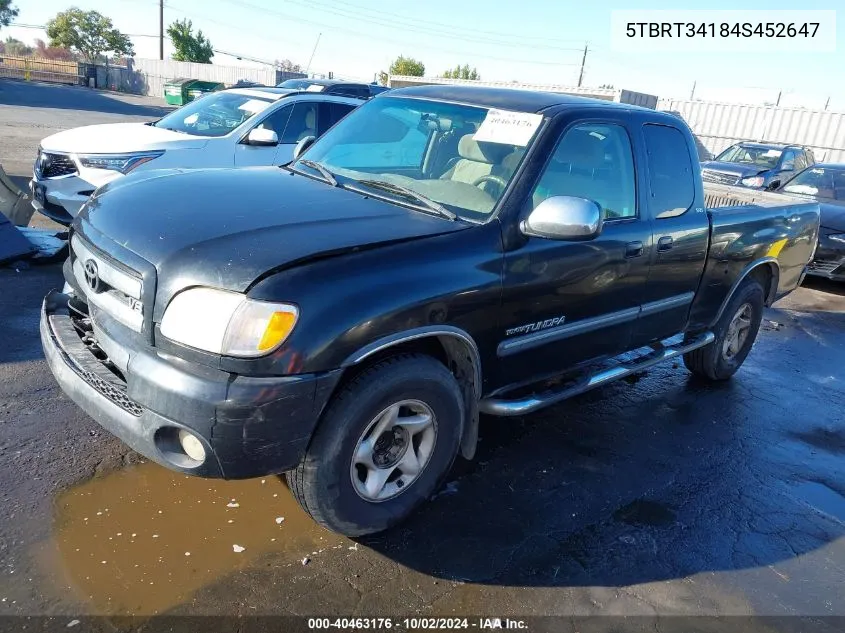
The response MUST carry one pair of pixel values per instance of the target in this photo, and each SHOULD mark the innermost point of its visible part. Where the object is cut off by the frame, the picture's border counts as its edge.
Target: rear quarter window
(670, 171)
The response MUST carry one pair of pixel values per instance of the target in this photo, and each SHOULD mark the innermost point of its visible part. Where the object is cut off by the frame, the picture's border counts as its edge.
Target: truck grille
(113, 391)
(710, 175)
(51, 165)
(113, 288)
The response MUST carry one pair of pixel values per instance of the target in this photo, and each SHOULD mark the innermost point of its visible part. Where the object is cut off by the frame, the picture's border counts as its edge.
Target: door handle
(664, 243)
(633, 249)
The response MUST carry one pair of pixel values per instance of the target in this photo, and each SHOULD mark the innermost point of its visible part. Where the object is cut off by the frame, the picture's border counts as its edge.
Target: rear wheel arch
(766, 272)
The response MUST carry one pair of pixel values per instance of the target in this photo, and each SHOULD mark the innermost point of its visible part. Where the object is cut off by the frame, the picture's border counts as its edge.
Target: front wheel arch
(452, 346)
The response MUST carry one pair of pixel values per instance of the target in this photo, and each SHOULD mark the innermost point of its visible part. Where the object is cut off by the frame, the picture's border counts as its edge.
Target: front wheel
(735, 333)
(384, 445)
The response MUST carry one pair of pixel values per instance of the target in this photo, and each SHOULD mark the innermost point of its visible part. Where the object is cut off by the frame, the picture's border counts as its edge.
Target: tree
(189, 47)
(52, 52)
(287, 65)
(7, 12)
(407, 66)
(607, 86)
(15, 47)
(88, 33)
(462, 72)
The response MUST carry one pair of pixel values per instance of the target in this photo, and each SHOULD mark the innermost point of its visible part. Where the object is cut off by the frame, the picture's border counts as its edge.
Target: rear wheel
(735, 333)
(384, 445)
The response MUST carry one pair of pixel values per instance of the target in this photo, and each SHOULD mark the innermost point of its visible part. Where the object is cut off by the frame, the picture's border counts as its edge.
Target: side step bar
(522, 406)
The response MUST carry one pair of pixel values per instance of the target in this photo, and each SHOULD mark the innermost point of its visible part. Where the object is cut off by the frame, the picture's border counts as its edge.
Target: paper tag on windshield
(314, 88)
(509, 128)
(253, 106)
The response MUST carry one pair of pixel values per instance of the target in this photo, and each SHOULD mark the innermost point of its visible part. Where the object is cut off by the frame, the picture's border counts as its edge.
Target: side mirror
(302, 145)
(773, 185)
(262, 137)
(564, 218)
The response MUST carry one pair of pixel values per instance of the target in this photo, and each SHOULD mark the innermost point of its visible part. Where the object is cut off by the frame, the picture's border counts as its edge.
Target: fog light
(191, 445)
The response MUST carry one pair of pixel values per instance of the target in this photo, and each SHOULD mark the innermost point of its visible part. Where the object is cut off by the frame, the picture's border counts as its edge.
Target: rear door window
(331, 113)
(670, 173)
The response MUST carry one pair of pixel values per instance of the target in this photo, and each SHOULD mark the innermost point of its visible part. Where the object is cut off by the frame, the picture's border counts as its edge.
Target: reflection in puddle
(145, 539)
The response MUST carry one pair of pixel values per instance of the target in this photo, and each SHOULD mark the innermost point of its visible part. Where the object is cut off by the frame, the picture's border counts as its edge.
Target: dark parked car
(825, 183)
(757, 165)
(336, 87)
(346, 322)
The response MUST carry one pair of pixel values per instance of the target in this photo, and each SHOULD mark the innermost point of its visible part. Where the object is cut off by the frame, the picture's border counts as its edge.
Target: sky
(538, 41)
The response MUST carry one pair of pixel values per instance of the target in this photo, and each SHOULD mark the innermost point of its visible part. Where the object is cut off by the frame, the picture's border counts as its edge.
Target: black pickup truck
(440, 253)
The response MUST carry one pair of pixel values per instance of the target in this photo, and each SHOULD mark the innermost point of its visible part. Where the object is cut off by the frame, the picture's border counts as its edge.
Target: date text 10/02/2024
(416, 624)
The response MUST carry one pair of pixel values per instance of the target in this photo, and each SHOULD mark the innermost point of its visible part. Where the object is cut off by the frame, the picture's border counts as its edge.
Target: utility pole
(777, 103)
(161, 29)
(583, 61)
(692, 92)
(827, 103)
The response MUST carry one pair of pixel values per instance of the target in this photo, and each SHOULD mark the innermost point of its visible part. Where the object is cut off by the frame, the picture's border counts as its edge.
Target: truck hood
(743, 171)
(227, 227)
(119, 138)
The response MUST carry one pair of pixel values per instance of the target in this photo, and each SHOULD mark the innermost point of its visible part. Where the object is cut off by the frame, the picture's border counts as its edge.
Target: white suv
(238, 127)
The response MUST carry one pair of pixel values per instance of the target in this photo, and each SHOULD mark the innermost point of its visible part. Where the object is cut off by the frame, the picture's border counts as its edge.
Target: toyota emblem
(92, 278)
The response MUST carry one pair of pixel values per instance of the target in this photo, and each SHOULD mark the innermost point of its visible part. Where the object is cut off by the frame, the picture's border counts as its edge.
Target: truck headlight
(227, 323)
(753, 181)
(124, 163)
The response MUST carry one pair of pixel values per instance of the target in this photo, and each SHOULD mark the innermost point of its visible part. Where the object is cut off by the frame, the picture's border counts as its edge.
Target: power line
(445, 32)
(371, 36)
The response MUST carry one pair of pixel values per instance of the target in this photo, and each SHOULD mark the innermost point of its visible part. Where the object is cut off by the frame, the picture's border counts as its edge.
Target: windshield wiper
(410, 193)
(325, 173)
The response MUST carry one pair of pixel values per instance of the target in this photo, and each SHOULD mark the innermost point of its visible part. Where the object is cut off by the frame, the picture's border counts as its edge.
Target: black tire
(322, 483)
(710, 361)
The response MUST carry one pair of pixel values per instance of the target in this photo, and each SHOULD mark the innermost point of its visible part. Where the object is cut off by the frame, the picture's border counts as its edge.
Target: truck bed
(748, 226)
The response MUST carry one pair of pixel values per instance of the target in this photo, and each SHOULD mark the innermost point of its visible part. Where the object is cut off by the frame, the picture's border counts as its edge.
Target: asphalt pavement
(659, 495)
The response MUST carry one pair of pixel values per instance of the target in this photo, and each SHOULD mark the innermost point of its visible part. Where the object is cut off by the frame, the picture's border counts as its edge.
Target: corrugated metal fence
(719, 125)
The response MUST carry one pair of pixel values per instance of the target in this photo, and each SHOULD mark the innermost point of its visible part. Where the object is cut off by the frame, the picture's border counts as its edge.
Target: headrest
(311, 119)
(481, 152)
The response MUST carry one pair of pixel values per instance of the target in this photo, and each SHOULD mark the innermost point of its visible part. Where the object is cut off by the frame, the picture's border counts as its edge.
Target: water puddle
(822, 497)
(144, 539)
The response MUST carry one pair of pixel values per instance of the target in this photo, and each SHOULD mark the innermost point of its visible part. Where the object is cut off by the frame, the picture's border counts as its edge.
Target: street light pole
(161, 29)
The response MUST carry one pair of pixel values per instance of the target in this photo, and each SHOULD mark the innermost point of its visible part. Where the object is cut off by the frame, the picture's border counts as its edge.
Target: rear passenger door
(681, 233)
(564, 302)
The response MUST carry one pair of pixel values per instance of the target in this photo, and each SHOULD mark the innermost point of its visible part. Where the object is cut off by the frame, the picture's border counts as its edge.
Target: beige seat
(310, 124)
(476, 160)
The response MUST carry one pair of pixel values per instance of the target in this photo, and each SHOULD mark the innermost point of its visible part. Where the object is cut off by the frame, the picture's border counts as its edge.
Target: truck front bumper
(248, 426)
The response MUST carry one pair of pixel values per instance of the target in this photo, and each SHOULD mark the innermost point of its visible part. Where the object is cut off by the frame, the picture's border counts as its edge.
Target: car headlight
(227, 323)
(124, 163)
(753, 181)
(839, 237)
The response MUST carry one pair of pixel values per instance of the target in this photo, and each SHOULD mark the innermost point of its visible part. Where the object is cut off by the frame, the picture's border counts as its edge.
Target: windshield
(459, 156)
(766, 157)
(822, 182)
(215, 114)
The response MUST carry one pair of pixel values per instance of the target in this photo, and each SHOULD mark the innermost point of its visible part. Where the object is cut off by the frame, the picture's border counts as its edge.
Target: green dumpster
(199, 88)
(176, 91)
(180, 91)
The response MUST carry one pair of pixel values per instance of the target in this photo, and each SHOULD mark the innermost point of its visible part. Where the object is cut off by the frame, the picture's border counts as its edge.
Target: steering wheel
(496, 180)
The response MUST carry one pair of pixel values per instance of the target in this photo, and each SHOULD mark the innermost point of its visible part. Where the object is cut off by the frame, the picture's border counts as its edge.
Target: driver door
(247, 155)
